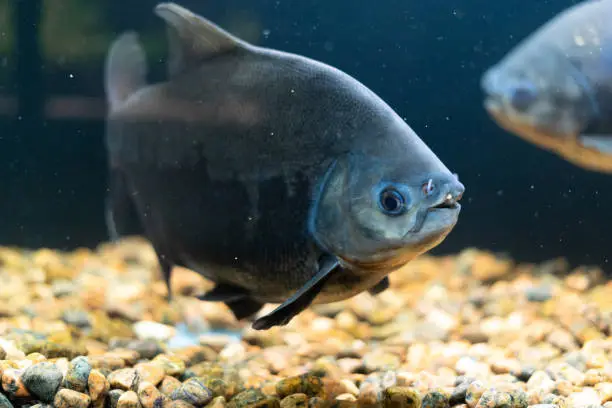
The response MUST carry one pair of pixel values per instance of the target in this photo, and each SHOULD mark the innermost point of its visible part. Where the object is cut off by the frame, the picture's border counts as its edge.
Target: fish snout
(450, 191)
(517, 93)
(489, 82)
(442, 196)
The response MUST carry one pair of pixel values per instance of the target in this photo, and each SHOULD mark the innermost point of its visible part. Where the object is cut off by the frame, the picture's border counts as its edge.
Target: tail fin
(125, 69)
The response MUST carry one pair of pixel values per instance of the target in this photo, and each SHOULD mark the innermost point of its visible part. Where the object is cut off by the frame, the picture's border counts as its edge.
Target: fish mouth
(493, 104)
(449, 203)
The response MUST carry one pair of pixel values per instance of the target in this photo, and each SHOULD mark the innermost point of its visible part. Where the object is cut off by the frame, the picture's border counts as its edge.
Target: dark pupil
(391, 201)
(522, 98)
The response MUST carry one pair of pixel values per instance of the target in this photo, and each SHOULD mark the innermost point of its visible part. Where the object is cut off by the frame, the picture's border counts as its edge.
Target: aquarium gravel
(93, 329)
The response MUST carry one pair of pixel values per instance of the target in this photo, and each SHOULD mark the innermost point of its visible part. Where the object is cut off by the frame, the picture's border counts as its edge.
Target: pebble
(588, 396)
(12, 383)
(538, 293)
(113, 397)
(169, 385)
(93, 328)
(77, 375)
(474, 392)
(42, 380)
(66, 398)
(149, 396)
(4, 402)
(153, 373)
(128, 399)
(401, 397)
(295, 401)
(147, 330)
(436, 398)
(97, 384)
(123, 379)
(254, 398)
(193, 391)
(308, 384)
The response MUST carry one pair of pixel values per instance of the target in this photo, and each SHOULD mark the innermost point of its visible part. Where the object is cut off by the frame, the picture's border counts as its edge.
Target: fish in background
(554, 89)
(279, 178)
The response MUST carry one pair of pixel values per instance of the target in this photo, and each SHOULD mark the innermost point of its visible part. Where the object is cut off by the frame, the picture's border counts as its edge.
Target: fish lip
(446, 205)
(493, 98)
(452, 209)
(494, 104)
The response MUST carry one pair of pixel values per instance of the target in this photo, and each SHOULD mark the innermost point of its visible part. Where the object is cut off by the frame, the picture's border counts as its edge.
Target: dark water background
(423, 57)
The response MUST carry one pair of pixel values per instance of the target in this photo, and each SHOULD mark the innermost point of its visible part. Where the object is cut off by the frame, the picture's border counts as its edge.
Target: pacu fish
(554, 89)
(278, 177)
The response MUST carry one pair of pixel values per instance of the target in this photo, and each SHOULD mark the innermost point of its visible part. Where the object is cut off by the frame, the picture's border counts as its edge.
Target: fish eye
(523, 97)
(391, 201)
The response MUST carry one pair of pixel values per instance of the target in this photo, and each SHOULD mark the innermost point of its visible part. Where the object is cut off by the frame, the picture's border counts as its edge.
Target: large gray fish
(279, 178)
(554, 89)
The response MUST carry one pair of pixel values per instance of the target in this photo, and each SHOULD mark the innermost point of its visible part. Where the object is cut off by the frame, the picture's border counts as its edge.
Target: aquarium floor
(93, 328)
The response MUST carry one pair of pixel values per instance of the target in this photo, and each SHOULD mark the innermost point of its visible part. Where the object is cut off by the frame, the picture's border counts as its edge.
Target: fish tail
(125, 69)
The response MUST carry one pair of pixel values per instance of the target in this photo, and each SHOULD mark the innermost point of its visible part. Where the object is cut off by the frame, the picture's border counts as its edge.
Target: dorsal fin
(125, 69)
(192, 38)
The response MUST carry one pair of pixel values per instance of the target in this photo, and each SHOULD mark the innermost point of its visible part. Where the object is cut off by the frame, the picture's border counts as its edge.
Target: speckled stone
(128, 399)
(149, 396)
(4, 402)
(172, 365)
(113, 397)
(492, 398)
(169, 385)
(217, 386)
(124, 379)
(299, 400)
(217, 402)
(78, 374)
(149, 372)
(42, 380)
(193, 391)
(473, 393)
(12, 383)
(97, 385)
(253, 398)
(436, 398)
(178, 404)
(308, 384)
(401, 397)
(66, 398)
(459, 394)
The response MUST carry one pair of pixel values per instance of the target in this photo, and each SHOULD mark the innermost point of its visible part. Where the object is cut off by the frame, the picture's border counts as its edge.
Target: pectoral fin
(300, 299)
(244, 307)
(236, 298)
(380, 286)
(223, 292)
(601, 143)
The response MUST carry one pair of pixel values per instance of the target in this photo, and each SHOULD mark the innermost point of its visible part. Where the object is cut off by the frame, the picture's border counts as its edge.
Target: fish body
(279, 178)
(554, 89)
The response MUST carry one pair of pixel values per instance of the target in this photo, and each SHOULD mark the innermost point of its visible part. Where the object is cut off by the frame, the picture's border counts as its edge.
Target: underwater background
(424, 58)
